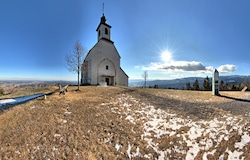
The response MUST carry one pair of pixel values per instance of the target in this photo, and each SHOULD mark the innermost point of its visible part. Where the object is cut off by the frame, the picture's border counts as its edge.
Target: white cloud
(184, 66)
(178, 66)
(210, 68)
(187, 66)
(136, 67)
(227, 68)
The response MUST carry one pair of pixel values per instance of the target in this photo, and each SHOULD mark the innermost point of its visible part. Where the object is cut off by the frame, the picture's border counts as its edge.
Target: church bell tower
(103, 29)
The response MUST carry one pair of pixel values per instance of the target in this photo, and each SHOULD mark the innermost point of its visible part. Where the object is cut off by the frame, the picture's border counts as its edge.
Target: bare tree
(145, 77)
(75, 60)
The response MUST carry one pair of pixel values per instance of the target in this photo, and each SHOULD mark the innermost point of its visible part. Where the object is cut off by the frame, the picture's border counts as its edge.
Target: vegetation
(207, 86)
(188, 85)
(196, 85)
(75, 60)
(126, 123)
(1, 91)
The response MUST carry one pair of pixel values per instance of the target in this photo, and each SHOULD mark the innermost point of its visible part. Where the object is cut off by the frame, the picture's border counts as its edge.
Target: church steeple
(103, 19)
(103, 29)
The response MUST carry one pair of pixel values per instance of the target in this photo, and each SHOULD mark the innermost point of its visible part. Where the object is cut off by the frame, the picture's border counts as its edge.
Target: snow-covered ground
(172, 136)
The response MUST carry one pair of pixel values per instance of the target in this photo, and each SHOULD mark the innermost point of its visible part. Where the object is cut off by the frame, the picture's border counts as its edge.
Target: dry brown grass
(74, 126)
(29, 91)
(81, 125)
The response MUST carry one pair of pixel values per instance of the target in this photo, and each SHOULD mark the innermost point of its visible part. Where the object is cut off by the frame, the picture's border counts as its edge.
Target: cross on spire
(103, 9)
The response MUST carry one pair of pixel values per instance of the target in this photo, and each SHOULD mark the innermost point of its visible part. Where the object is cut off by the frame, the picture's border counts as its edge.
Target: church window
(99, 33)
(107, 67)
(106, 31)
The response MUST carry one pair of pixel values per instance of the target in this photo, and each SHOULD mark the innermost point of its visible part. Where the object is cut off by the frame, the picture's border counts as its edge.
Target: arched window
(106, 31)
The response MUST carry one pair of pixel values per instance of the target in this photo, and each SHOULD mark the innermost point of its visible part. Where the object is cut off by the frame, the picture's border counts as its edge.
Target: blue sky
(168, 38)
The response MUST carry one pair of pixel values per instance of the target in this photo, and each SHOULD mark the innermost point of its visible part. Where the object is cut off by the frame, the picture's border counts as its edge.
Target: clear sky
(168, 38)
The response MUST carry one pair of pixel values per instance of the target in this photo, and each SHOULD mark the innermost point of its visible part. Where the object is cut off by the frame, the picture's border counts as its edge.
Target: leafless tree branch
(74, 61)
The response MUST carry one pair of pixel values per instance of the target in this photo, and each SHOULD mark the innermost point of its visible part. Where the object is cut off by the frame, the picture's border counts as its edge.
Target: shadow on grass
(236, 99)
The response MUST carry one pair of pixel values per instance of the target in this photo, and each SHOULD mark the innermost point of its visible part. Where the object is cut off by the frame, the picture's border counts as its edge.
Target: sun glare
(166, 56)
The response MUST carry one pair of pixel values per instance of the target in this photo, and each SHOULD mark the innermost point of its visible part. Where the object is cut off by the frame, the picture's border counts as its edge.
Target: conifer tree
(196, 85)
(188, 85)
(222, 85)
(206, 84)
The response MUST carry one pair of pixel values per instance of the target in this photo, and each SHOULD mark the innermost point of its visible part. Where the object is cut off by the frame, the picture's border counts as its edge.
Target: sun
(166, 56)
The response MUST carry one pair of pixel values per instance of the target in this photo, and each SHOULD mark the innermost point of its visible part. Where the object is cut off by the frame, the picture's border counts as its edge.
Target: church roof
(98, 42)
(124, 72)
(103, 21)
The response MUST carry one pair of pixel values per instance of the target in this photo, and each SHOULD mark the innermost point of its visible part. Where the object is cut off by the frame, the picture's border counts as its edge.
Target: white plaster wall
(102, 32)
(122, 78)
(102, 50)
(102, 71)
(102, 54)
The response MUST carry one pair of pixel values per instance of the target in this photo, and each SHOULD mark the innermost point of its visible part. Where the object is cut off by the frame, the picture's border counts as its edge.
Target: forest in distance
(227, 83)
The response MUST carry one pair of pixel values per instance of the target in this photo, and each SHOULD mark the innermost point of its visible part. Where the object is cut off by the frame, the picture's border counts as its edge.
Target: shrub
(1, 91)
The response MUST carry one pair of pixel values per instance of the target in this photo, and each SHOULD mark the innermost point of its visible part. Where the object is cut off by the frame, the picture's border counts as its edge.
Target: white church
(102, 63)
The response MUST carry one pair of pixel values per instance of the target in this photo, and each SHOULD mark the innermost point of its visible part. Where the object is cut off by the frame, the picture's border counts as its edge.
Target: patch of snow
(106, 140)
(195, 132)
(118, 146)
(234, 155)
(128, 151)
(193, 149)
(57, 135)
(130, 118)
(137, 153)
(208, 153)
(32, 107)
(193, 136)
(244, 140)
(67, 112)
(36, 148)
(54, 148)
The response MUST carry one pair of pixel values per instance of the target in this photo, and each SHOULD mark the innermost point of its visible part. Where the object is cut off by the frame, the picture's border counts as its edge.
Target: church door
(107, 81)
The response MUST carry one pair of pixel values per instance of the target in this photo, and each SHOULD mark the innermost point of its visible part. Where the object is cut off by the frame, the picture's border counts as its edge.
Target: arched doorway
(106, 72)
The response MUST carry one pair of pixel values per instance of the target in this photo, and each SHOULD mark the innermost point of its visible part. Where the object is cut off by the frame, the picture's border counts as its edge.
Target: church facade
(102, 63)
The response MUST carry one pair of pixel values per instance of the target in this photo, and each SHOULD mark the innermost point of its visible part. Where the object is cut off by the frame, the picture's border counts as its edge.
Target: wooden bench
(244, 89)
(63, 90)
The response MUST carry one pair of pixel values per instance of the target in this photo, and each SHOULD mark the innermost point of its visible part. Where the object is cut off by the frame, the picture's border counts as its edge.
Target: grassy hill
(128, 123)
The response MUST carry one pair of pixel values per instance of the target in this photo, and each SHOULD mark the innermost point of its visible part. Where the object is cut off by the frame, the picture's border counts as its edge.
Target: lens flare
(166, 56)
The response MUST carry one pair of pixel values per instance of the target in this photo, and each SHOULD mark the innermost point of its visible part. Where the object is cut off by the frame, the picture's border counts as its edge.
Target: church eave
(106, 40)
(103, 24)
(124, 72)
(89, 52)
(95, 46)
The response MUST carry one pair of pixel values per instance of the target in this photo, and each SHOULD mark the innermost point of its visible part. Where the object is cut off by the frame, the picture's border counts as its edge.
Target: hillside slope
(128, 123)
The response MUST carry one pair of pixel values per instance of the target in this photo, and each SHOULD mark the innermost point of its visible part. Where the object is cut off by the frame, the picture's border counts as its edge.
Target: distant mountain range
(174, 83)
(181, 83)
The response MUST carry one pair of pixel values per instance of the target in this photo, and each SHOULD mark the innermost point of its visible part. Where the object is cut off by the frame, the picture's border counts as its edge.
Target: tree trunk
(78, 71)
(78, 78)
